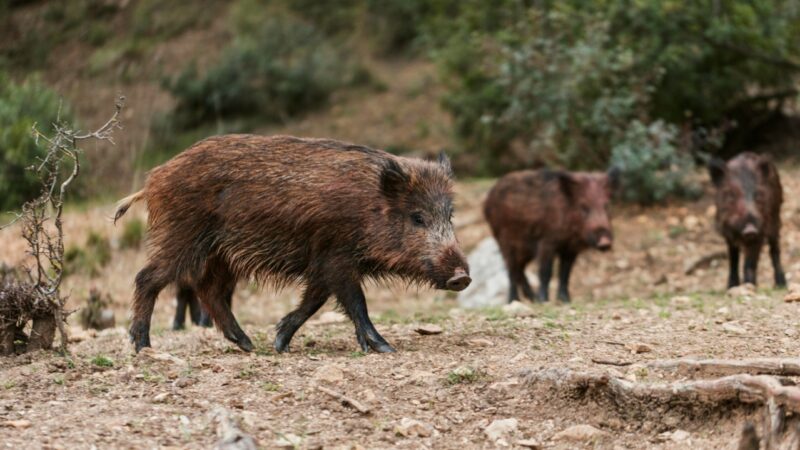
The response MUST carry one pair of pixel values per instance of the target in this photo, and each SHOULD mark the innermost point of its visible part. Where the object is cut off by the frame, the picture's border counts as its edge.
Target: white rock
(529, 443)
(679, 435)
(489, 285)
(501, 428)
(413, 428)
(160, 398)
(579, 433)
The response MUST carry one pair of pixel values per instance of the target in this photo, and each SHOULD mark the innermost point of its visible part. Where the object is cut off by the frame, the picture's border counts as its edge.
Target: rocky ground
(461, 378)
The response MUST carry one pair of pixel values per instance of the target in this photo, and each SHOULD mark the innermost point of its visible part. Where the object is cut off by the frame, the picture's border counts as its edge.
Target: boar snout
(750, 231)
(604, 243)
(459, 281)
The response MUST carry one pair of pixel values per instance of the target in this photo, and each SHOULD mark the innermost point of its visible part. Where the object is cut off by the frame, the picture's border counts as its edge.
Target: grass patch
(270, 387)
(463, 375)
(102, 361)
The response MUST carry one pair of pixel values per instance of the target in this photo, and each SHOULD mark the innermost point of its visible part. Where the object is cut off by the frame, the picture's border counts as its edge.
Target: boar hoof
(281, 343)
(245, 344)
(383, 348)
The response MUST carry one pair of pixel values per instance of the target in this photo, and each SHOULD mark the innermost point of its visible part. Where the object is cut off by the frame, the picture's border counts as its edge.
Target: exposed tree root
(718, 367)
(779, 398)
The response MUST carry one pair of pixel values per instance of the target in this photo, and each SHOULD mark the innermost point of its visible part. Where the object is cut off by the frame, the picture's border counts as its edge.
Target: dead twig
(612, 363)
(344, 399)
(704, 261)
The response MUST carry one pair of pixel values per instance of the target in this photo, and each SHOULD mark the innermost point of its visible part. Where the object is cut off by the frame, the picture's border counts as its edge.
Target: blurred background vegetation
(653, 87)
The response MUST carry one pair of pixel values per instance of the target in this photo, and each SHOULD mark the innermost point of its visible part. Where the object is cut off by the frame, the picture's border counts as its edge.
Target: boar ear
(765, 165)
(614, 175)
(568, 184)
(717, 169)
(444, 161)
(393, 179)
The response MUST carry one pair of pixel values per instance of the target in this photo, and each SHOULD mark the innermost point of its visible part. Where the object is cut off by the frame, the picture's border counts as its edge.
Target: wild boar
(319, 212)
(748, 200)
(187, 299)
(543, 214)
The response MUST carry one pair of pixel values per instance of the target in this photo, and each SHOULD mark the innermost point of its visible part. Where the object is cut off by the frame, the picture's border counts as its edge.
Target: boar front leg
(733, 264)
(351, 297)
(775, 255)
(315, 295)
(566, 261)
(751, 254)
(184, 300)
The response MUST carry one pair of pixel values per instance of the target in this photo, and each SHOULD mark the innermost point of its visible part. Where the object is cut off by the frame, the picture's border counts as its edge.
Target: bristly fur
(285, 210)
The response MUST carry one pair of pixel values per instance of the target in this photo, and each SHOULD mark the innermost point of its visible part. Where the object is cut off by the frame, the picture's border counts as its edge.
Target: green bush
(574, 83)
(653, 166)
(132, 234)
(89, 259)
(282, 69)
(21, 106)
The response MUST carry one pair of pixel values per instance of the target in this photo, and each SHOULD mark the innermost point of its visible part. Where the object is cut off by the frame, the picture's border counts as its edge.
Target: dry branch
(38, 298)
(705, 261)
(344, 399)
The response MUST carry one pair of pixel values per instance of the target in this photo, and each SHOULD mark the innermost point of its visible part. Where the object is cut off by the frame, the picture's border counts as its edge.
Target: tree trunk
(42, 333)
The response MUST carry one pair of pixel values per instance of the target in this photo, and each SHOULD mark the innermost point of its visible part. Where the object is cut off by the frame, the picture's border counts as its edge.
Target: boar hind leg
(149, 283)
(751, 254)
(733, 265)
(314, 297)
(200, 316)
(546, 257)
(351, 298)
(566, 261)
(775, 256)
(214, 289)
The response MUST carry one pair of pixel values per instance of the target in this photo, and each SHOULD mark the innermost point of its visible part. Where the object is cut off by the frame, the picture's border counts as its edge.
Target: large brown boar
(543, 214)
(748, 199)
(319, 212)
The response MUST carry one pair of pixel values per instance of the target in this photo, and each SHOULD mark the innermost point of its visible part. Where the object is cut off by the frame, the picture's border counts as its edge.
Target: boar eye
(418, 219)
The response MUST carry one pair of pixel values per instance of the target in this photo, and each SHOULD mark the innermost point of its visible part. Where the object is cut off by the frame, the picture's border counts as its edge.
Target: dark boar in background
(281, 209)
(187, 299)
(748, 200)
(543, 214)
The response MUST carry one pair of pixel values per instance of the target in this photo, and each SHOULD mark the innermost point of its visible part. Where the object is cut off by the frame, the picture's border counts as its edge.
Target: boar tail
(127, 202)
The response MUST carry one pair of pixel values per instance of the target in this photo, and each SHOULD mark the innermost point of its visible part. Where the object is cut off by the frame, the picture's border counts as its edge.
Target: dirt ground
(455, 384)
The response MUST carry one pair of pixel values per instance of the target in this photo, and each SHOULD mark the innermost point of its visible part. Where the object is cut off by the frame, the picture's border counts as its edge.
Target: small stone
(792, 296)
(481, 342)
(679, 435)
(288, 440)
(148, 354)
(369, 396)
(529, 443)
(413, 428)
(428, 329)
(182, 382)
(517, 309)
(501, 428)
(791, 332)
(579, 433)
(160, 398)
(22, 423)
(638, 347)
(733, 328)
(745, 290)
(329, 374)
